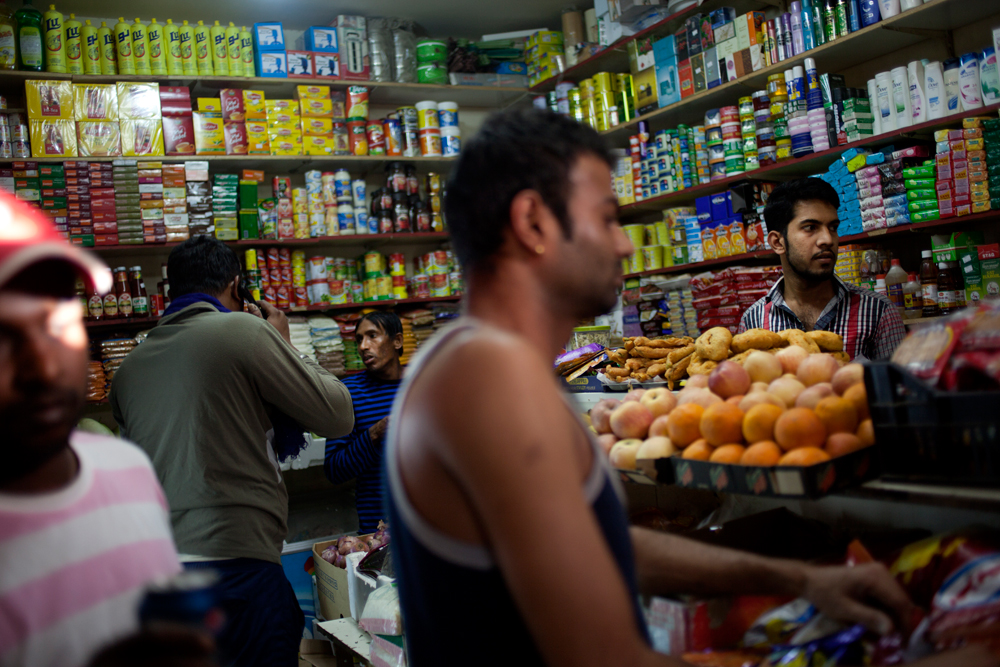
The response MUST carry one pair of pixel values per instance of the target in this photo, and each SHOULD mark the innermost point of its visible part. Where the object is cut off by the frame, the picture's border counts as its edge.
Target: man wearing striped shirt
(359, 455)
(802, 224)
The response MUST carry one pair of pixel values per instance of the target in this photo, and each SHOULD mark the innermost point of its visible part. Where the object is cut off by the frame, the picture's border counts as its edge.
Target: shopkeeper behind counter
(801, 218)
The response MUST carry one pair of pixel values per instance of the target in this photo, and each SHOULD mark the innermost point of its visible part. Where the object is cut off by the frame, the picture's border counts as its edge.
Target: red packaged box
(232, 105)
(105, 216)
(710, 322)
(106, 239)
(714, 302)
(686, 76)
(175, 101)
(724, 311)
(236, 139)
(178, 135)
(105, 227)
(300, 65)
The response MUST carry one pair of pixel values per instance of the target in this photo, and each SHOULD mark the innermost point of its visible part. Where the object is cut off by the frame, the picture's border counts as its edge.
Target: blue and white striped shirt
(355, 455)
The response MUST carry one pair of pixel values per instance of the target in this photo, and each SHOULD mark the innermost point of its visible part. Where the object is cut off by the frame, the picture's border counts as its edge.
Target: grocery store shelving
(917, 321)
(762, 256)
(808, 165)
(269, 163)
(386, 94)
(959, 497)
(366, 240)
(151, 321)
(877, 40)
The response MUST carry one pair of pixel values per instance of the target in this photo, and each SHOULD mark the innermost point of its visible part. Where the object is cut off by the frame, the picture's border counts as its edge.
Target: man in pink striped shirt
(84, 525)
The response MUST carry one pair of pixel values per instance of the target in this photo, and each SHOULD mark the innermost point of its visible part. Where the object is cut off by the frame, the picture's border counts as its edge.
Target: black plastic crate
(924, 434)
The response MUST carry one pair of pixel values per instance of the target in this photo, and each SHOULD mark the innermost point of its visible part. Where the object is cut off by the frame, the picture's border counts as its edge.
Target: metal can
(421, 287)
(393, 131)
(373, 263)
(397, 264)
(455, 283)
(376, 138)
(19, 132)
(190, 598)
(357, 138)
(383, 288)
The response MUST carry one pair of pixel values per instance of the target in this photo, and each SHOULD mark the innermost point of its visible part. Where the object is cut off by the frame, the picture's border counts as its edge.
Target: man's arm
(888, 334)
(667, 564)
(298, 386)
(348, 457)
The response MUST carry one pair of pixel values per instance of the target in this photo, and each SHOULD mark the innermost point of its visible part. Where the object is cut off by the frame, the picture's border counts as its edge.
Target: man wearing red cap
(84, 525)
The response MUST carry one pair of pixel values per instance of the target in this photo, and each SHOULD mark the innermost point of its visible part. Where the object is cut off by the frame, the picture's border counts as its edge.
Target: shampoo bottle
(934, 90)
(886, 105)
(873, 101)
(918, 102)
(989, 76)
(969, 85)
(951, 94)
(901, 97)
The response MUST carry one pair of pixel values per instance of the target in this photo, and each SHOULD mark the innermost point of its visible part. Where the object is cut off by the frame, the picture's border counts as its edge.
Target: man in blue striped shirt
(359, 455)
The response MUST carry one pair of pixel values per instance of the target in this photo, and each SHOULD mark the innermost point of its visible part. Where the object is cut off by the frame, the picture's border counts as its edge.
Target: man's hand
(159, 645)
(865, 594)
(378, 430)
(276, 319)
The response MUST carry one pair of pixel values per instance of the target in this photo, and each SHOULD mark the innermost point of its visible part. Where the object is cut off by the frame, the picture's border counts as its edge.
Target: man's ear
(777, 242)
(397, 342)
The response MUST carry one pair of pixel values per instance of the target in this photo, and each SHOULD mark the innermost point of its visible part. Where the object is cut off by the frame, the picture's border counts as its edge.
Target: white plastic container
(951, 90)
(934, 90)
(885, 103)
(888, 8)
(989, 76)
(873, 100)
(969, 87)
(901, 97)
(918, 101)
(906, 5)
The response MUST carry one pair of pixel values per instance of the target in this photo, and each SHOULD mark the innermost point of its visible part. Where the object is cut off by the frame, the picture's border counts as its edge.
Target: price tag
(877, 232)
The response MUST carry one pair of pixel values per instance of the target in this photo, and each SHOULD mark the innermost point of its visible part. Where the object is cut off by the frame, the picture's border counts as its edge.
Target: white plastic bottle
(873, 101)
(918, 101)
(968, 82)
(880, 285)
(888, 8)
(953, 105)
(894, 281)
(989, 76)
(934, 90)
(886, 106)
(901, 97)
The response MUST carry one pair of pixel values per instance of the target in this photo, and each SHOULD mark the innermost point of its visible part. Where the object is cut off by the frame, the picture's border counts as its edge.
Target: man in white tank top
(494, 463)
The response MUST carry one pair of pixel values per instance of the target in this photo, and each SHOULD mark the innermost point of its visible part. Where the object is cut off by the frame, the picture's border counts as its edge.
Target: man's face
(811, 241)
(376, 347)
(43, 375)
(589, 268)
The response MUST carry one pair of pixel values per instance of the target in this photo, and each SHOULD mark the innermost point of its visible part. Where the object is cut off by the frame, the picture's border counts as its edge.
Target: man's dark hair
(201, 264)
(385, 320)
(516, 150)
(781, 204)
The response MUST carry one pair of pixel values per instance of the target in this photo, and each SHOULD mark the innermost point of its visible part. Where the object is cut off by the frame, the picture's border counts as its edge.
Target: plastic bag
(386, 654)
(379, 49)
(404, 43)
(382, 615)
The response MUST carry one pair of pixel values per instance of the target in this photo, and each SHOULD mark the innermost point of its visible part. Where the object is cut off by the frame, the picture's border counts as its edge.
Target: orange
(683, 424)
(839, 444)
(866, 433)
(699, 450)
(799, 427)
(727, 454)
(804, 456)
(837, 414)
(764, 453)
(759, 422)
(859, 396)
(722, 423)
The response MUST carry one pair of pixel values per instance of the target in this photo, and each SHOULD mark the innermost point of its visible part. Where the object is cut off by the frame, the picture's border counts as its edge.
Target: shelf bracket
(945, 36)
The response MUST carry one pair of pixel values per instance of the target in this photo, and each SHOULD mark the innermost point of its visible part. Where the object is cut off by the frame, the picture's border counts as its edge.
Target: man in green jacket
(202, 395)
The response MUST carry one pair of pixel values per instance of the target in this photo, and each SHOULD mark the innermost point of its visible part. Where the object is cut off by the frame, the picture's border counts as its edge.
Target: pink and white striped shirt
(74, 563)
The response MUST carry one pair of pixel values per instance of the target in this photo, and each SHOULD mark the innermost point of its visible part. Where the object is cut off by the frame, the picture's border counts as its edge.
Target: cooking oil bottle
(109, 50)
(91, 43)
(74, 47)
(172, 50)
(8, 38)
(233, 46)
(202, 49)
(154, 45)
(123, 47)
(139, 53)
(30, 45)
(55, 49)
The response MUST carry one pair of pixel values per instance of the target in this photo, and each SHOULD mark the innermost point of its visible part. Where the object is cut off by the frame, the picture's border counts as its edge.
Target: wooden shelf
(798, 167)
(366, 240)
(960, 497)
(697, 267)
(880, 39)
(151, 321)
(284, 163)
(385, 94)
(917, 321)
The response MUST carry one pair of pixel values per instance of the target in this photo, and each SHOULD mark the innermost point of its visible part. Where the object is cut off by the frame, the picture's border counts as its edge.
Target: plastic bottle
(952, 66)
(818, 23)
(220, 49)
(55, 49)
(841, 12)
(918, 102)
(154, 44)
(901, 97)
(906, 5)
(137, 289)
(806, 21)
(853, 15)
(873, 99)
(913, 300)
(830, 20)
(869, 13)
(123, 47)
(934, 90)
(30, 45)
(989, 75)
(234, 54)
(172, 48)
(8, 38)
(189, 59)
(91, 43)
(947, 282)
(140, 55)
(929, 284)
(885, 103)
(969, 87)
(888, 8)
(246, 52)
(798, 43)
(74, 46)
(109, 50)
(894, 281)
(880, 285)
(203, 49)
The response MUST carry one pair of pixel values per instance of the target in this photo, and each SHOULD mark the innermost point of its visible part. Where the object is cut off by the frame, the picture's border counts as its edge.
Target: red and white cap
(28, 237)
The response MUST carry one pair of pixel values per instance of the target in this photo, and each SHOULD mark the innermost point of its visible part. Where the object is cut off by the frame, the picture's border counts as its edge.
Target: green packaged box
(990, 271)
(926, 171)
(973, 289)
(946, 248)
(919, 183)
(249, 228)
(925, 216)
(248, 195)
(921, 193)
(922, 205)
